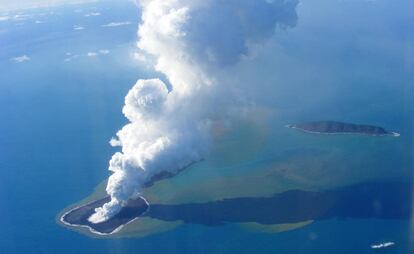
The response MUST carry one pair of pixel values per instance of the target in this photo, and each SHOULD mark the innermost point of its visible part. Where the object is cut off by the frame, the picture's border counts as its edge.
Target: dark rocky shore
(333, 127)
(79, 216)
(135, 208)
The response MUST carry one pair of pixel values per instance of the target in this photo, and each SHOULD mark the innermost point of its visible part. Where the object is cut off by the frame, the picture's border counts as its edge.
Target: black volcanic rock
(134, 208)
(79, 216)
(333, 127)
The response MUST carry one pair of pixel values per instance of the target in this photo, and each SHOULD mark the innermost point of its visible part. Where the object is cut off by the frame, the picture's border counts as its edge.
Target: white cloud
(21, 17)
(140, 57)
(92, 14)
(195, 45)
(20, 59)
(76, 27)
(97, 53)
(17, 5)
(114, 142)
(70, 57)
(115, 24)
(39, 22)
(4, 18)
(104, 51)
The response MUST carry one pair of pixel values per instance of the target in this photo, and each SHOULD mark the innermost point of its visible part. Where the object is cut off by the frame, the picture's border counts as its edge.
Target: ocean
(344, 60)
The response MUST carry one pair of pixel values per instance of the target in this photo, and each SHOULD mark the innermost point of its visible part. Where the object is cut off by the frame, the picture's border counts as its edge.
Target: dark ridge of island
(333, 127)
(166, 174)
(79, 216)
(379, 200)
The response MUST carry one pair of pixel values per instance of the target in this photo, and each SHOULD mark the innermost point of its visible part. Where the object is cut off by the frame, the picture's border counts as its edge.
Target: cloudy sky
(22, 4)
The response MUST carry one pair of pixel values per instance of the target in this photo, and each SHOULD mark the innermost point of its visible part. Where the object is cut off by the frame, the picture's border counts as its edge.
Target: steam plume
(192, 42)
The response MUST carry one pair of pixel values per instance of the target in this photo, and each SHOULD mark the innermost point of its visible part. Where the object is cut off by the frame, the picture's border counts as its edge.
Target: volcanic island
(334, 127)
(135, 208)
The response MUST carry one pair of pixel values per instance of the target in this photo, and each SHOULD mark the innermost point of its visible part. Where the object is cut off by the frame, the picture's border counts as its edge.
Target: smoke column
(193, 43)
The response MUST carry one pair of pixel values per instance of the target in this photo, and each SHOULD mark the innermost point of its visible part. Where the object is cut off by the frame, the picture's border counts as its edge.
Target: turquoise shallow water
(57, 118)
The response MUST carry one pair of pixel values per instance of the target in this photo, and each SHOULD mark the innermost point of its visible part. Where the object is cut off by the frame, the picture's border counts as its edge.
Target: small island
(79, 215)
(333, 127)
(135, 208)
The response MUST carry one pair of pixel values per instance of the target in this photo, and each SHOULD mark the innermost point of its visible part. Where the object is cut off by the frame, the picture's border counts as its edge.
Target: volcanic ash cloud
(192, 43)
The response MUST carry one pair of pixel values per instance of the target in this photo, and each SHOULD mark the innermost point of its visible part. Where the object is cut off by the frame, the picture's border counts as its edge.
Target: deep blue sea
(345, 60)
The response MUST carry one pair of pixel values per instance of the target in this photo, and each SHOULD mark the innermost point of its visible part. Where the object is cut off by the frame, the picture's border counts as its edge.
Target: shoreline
(391, 133)
(154, 179)
(92, 230)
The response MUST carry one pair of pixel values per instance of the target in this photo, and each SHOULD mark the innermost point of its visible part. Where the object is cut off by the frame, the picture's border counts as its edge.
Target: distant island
(333, 127)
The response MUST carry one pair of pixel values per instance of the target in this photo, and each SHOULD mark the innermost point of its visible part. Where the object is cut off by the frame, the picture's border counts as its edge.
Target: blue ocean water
(57, 117)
